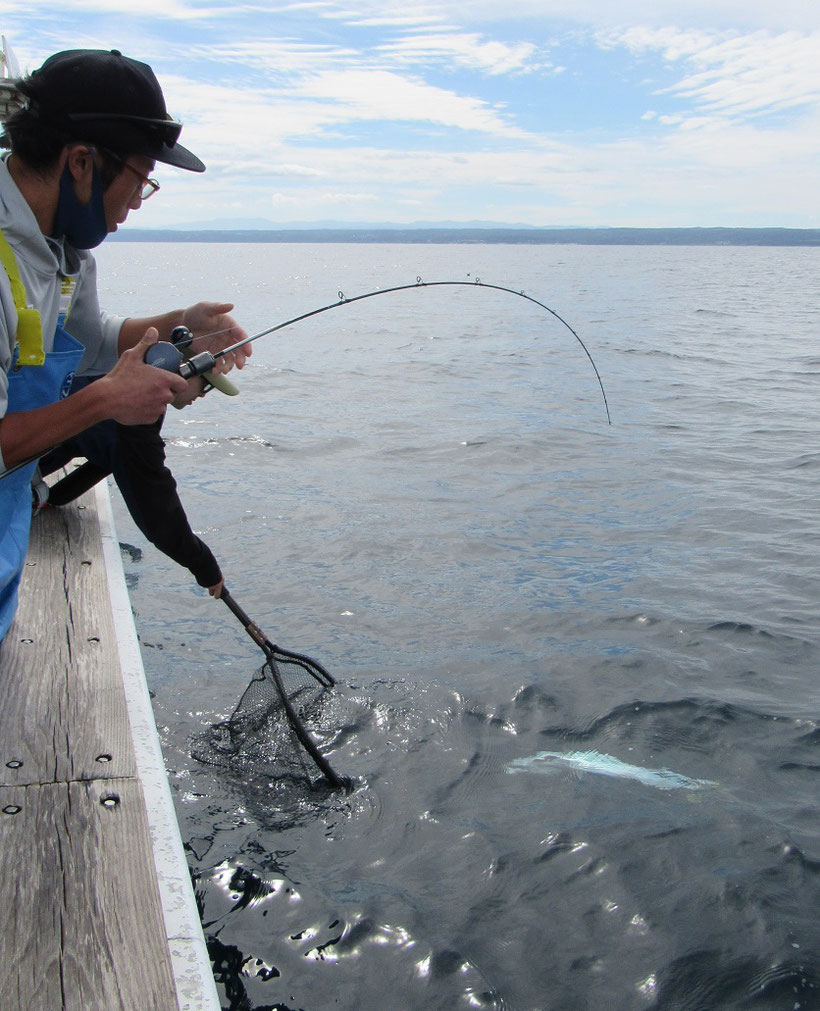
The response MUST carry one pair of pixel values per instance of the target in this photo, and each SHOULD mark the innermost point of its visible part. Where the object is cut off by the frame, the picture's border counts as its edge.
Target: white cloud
(716, 14)
(383, 95)
(306, 105)
(783, 15)
(176, 10)
(732, 74)
(303, 171)
(466, 49)
(732, 175)
(322, 198)
(280, 58)
(446, 49)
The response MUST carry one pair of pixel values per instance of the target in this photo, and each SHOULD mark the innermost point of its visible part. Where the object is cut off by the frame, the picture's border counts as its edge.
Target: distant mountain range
(266, 225)
(467, 232)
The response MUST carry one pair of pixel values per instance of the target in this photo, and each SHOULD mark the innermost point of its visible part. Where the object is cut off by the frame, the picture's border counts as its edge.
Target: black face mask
(82, 224)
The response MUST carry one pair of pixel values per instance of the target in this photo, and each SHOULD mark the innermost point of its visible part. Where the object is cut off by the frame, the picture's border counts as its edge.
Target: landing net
(273, 730)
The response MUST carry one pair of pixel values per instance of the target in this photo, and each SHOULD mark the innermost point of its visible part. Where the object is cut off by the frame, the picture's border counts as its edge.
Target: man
(93, 127)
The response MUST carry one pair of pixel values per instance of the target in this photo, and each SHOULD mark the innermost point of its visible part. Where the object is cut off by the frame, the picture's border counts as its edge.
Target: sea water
(421, 490)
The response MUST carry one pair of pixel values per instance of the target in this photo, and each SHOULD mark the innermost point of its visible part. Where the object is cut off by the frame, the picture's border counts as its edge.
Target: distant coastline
(519, 236)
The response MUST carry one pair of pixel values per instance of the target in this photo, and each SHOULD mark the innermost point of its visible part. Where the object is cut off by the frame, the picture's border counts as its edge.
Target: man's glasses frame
(148, 186)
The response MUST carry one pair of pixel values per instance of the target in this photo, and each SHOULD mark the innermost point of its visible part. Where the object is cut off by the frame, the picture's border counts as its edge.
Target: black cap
(107, 98)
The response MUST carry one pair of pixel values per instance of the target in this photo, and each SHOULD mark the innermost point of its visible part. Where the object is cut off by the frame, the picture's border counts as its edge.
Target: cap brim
(129, 135)
(176, 155)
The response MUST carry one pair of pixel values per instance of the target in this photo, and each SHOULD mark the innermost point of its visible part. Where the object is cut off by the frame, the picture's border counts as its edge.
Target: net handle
(327, 771)
(313, 667)
(250, 626)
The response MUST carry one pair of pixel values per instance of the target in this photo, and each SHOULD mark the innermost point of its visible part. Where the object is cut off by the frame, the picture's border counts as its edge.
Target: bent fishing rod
(169, 355)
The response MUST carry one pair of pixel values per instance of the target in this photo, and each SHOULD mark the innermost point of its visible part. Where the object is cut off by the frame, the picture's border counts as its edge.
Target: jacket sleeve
(150, 493)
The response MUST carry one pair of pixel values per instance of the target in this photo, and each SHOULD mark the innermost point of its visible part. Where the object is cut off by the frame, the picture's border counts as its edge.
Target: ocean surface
(578, 663)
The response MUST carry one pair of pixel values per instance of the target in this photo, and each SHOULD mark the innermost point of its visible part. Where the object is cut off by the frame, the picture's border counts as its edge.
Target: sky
(639, 113)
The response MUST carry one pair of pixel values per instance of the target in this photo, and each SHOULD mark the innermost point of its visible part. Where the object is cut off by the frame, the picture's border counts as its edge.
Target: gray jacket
(42, 263)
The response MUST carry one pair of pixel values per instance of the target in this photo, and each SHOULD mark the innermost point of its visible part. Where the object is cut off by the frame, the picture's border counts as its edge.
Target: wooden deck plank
(96, 910)
(63, 715)
(80, 921)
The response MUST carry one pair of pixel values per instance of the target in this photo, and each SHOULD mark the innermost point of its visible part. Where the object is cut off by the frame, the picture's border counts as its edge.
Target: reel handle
(181, 337)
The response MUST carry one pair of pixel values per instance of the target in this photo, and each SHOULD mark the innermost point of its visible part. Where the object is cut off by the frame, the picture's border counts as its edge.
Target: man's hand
(214, 329)
(194, 389)
(138, 393)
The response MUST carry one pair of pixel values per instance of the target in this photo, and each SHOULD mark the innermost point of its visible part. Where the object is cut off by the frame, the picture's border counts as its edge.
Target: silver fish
(606, 765)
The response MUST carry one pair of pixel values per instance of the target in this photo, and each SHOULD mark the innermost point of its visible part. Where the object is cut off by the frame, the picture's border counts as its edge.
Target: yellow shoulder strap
(29, 325)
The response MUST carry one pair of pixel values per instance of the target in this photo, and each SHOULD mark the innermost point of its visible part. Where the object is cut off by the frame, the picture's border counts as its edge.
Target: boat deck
(96, 905)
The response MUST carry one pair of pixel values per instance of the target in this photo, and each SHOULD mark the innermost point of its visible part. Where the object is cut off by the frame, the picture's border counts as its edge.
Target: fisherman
(92, 128)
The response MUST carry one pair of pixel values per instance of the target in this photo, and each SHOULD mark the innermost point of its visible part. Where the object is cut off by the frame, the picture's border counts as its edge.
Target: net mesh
(268, 730)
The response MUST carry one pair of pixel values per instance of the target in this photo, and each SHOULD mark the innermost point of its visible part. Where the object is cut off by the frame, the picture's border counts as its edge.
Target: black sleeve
(150, 493)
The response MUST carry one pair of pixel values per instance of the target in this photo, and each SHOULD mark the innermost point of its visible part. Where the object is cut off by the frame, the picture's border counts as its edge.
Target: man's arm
(132, 393)
(150, 492)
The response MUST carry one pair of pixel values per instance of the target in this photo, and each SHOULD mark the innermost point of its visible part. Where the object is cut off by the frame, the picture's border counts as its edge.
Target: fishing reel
(169, 355)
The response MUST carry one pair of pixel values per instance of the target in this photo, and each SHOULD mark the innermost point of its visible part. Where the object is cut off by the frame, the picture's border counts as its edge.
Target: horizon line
(772, 235)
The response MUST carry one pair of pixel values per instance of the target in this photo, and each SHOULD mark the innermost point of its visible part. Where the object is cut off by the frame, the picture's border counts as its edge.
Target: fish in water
(606, 765)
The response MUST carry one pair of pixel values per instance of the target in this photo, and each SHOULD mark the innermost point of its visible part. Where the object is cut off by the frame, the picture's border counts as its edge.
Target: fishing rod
(167, 355)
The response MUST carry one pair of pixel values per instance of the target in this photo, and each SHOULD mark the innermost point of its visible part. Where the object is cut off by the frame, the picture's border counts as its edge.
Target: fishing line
(202, 362)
